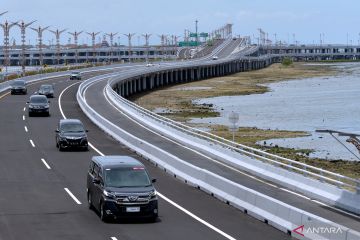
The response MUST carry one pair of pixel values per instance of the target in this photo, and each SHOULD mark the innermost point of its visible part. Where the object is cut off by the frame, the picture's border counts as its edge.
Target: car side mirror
(27, 102)
(57, 130)
(48, 101)
(86, 130)
(153, 180)
(96, 181)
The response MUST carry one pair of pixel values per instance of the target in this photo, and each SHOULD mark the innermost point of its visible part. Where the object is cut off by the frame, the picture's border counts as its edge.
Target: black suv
(18, 87)
(38, 104)
(47, 90)
(71, 133)
(120, 187)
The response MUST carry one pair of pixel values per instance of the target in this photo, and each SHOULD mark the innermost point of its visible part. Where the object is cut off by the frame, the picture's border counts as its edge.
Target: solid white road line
(32, 143)
(295, 193)
(26, 130)
(339, 210)
(72, 196)
(46, 164)
(159, 194)
(196, 217)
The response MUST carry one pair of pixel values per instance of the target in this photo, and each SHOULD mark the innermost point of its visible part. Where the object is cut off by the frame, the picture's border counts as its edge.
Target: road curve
(43, 190)
(98, 101)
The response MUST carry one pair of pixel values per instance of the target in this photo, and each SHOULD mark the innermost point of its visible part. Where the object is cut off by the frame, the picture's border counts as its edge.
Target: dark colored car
(71, 133)
(18, 87)
(75, 76)
(38, 104)
(120, 187)
(47, 90)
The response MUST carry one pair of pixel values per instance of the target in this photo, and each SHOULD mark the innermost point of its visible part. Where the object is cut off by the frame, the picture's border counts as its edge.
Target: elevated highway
(50, 213)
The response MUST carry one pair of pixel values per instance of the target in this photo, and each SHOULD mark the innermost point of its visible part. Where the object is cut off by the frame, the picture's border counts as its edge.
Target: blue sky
(337, 21)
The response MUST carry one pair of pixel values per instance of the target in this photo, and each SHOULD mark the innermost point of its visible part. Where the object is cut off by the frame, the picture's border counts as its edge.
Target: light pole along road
(43, 190)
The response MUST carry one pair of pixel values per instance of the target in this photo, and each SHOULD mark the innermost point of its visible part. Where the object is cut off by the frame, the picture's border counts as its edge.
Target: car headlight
(153, 194)
(31, 106)
(109, 194)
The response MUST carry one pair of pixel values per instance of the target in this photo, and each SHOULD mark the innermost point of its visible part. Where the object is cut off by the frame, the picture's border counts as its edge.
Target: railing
(339, 180)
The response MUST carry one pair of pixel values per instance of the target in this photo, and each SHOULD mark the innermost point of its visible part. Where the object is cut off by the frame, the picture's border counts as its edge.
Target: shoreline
(176, 102)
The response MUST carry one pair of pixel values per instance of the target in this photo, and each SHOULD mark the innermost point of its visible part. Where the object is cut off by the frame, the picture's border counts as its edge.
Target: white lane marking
(72, 196)
(159, 194)
(295, 193)
(46, 164)
(26, 130)
(24, 109)
(60, 96)
(32, 143)
(196, 217)
(113, 238)
(334, 208)
(24, 117)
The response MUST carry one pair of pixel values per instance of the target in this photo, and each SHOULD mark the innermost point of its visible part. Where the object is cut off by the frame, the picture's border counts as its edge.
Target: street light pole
(6, 27)
(93, 36)
(129, 36)
(57, 35)
(40, 31)
(111, 35)
(147, 37)
(76, 35)
(23, 27)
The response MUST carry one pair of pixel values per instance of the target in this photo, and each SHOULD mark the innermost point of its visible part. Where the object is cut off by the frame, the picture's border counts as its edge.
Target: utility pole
(6, 27)
(163, 39)
(111, 35)
(23, 27)
(57, 35)
(176, 38)
(76, 36)
(129, 36)
(40, 31)
(196, 31)
(147, 37)
(93, 36)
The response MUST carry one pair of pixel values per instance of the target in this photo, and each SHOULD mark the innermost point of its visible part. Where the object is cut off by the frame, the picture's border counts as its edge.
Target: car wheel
(154, 218)
(30, 114)
(103, 215)
(61, 148)
(89, 198)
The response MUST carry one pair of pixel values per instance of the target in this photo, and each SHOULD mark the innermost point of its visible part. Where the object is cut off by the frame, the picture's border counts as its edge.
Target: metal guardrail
(339, 180)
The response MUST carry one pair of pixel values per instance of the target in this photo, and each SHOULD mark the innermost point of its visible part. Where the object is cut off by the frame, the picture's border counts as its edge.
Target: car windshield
(38, 99)
(18, 83)
(46, 88)
(76, 73)
(72, 127)
(127, 177)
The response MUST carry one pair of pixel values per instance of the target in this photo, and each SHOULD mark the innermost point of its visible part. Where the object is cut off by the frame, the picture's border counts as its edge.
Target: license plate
(133, 209)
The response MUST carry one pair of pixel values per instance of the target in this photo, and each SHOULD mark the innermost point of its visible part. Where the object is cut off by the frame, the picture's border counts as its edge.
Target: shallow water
(301, 105)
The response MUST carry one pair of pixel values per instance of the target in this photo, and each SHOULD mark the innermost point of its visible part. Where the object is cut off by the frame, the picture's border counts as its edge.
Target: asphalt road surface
(43, 191)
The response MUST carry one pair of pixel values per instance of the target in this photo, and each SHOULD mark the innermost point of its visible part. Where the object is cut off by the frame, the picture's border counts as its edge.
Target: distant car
(215, 58)
(47, 90)
(38, 104)
(18, 87)
(75, 76)
(149, 64)
(120, 187)
(70, 133)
